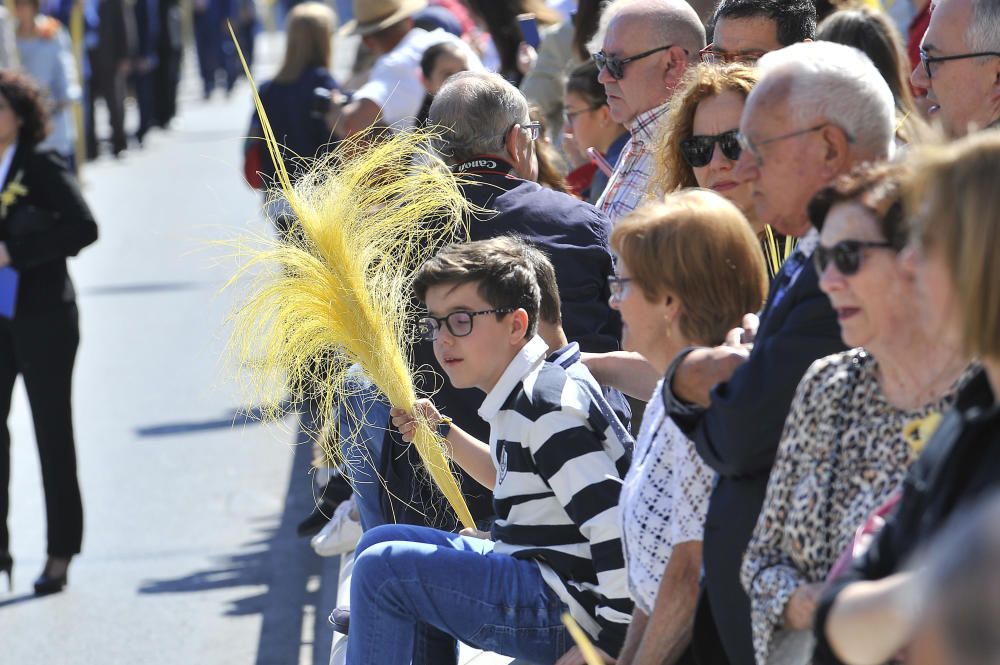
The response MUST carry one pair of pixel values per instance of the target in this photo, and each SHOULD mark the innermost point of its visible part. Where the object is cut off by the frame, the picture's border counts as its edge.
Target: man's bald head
(666, 34)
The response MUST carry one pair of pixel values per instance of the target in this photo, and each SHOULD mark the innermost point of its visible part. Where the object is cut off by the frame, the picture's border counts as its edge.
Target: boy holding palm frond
(554, 463)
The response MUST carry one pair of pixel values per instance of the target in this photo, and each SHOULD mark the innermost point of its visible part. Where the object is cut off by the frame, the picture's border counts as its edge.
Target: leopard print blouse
(843, 452)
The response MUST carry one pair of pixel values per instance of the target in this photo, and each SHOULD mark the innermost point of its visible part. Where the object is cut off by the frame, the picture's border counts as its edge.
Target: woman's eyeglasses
(698, 150)
(618, 285)
(846, 255)
(570, 116)
(459, 323)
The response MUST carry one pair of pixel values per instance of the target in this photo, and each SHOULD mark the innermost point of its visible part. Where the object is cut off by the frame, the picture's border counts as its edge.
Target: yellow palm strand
(587, 649)
(341, 293)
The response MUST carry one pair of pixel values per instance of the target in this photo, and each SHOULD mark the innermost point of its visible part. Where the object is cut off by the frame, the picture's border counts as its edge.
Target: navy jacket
(738, 437)
(573, 234)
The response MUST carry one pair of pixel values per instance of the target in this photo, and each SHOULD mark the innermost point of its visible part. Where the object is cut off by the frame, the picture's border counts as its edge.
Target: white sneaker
(341, 534)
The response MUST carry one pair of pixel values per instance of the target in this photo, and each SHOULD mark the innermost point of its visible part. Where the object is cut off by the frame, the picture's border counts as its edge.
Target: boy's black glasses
(616, 65)
(698, 150)
(459, 323)
(846, 255)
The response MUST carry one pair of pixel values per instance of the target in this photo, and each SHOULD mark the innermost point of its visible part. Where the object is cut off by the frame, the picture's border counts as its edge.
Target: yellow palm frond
(340, 293)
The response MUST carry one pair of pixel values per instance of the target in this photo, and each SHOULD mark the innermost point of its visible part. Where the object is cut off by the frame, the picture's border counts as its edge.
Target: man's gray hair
(474, 111)
(836, 83)
(983, 33)
(674, 22)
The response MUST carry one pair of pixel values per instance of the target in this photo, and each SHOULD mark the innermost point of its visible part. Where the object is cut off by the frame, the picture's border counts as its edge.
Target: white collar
(807, 243)
(527, 359)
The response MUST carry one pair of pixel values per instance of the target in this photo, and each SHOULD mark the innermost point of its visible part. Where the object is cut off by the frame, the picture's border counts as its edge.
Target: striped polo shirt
(560, 466)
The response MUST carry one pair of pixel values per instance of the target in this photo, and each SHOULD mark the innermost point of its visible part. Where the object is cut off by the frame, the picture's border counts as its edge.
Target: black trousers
(42, 349)
(109, 84)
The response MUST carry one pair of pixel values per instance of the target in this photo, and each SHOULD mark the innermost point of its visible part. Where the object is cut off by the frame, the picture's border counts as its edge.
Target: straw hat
(374, 15)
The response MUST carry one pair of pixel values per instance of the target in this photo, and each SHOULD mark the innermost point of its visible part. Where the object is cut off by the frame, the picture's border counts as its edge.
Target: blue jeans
(363, 418)
(415, 590)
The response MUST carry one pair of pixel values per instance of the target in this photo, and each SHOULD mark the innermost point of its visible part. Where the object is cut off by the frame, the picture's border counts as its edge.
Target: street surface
(190, 553)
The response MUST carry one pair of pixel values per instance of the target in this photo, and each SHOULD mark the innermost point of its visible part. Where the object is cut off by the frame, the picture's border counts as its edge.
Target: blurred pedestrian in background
(169, 48)
(43, 220)
(147, 32)
(8, 45)
(110, 54)
(295, 101)
(46, 56)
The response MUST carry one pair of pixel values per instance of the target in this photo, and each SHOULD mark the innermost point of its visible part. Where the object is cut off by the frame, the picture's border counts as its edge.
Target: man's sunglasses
(616, 65)
(846, 255)
(698, 150)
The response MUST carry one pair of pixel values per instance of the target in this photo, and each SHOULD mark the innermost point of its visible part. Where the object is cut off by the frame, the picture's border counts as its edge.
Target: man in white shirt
(393, 93)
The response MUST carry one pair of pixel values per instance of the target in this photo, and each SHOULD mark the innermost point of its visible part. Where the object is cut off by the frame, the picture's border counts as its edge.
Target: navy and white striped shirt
(560, 466)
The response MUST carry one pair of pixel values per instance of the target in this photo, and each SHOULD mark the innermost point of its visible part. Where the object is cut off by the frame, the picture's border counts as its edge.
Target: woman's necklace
(907, 396)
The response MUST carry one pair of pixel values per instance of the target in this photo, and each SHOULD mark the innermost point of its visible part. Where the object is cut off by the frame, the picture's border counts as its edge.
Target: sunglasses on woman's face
(846, 255)
(698, 150)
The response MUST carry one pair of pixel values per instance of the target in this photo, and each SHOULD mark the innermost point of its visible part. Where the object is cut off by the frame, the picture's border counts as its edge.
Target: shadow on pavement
(237, 418)
(145, 287)
(17, 600)
(281, 562)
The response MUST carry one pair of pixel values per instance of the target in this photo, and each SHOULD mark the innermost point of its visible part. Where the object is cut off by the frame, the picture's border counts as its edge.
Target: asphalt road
(190, 554)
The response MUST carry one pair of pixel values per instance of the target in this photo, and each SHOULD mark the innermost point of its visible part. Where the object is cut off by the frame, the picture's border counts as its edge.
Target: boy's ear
(518, 325)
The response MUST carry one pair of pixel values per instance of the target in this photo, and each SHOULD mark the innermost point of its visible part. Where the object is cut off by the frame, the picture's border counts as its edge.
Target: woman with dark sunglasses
(699, 148)
(859, 418)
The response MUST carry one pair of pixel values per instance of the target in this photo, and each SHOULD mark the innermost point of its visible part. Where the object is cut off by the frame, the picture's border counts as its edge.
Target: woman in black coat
(43, 220)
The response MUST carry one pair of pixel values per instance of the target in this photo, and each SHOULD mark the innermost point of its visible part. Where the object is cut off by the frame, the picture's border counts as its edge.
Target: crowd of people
(122, 49)
(720, 352)
(717, 364)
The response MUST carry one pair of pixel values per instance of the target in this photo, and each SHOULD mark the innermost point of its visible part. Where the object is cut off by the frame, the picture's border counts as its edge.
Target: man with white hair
(819, 110)
(960, 65)
(647, 47)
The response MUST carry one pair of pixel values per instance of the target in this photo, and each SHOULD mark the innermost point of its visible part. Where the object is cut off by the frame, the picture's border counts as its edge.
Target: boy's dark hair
(505, 275)
(795, 19)
(431, 55)
(550, 305)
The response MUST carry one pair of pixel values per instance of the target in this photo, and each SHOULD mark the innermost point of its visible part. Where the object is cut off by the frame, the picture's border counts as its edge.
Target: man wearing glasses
(744, 30)
(647, 48)
(960, 65)
(819, 110)
(490, 146)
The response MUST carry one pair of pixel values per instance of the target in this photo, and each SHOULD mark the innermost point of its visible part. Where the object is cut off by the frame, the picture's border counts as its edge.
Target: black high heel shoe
(48, 582)
(7, 566)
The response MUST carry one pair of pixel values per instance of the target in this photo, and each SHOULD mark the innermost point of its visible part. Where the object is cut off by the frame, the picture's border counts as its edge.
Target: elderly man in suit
(819, 110)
